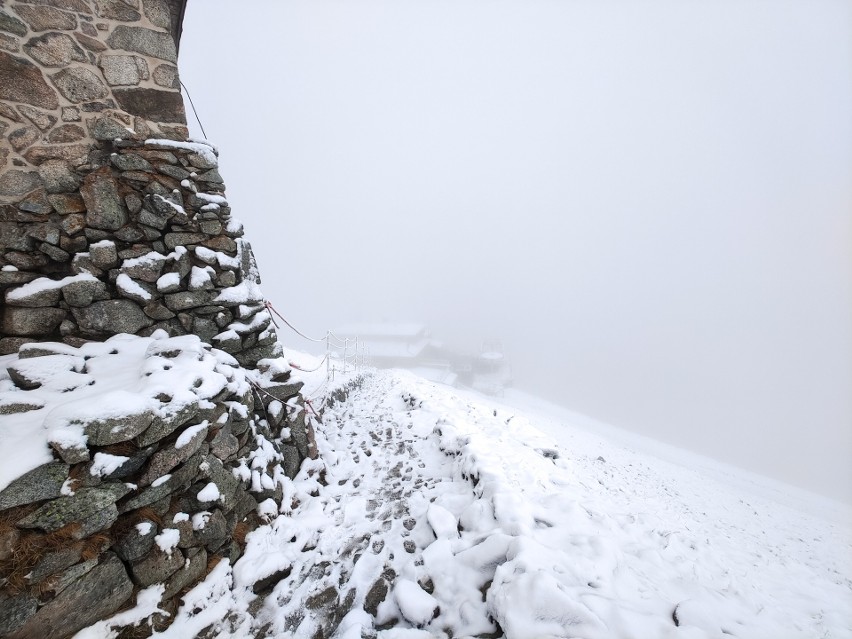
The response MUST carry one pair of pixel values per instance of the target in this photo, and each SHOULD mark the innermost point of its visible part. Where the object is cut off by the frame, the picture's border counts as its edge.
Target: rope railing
(355, 354)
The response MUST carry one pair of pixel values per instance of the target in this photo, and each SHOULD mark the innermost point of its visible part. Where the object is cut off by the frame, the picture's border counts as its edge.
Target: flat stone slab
(97, 594)
(60, 512)
(44, 482)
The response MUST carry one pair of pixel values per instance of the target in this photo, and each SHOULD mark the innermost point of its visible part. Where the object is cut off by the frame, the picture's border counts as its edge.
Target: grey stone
(215, 471)
(96, 595)
(211, 227)
(184, 300)
(221, 243)
(17, 182)
(215, 530)
(134, 202)
(156, 566)
(111, 317)
(175, 172)
(224, 444)
(168, 458)
(183, 239)
(157, 311)
(133, 545)
(138, 297)
(23, 137)
(61, 581)
(11, 44)
(202, 161)
(112, 430)
(101, 520)
(70, 453)
(75, 153)
(104, 206)
(54, 253)
(44, 18)
(70, 114)
(38, 484)
(212, 176)
(52, 563)
(11, 345)
(104, 255)
(165, 426)
(149, 271)
(8, 542)
(15, 610)
(66, 133)
(15, 408)
(11, 24)
(166, 75)
(78, 84)
(130, 162)
(31, 321)
(44, 233)
(292, 460)
(188, 574)
(38, 117)
(157, 11)
(58, 177)
(145, 41)
(153, 104)
(66, 510)
(105, 127)
(83, 292)
(92, 44)
(124, 70)
(116, 10)
(55, 50)
(130, 234)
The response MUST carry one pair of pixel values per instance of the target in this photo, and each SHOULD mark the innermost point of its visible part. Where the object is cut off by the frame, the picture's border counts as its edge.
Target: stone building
(112, 221)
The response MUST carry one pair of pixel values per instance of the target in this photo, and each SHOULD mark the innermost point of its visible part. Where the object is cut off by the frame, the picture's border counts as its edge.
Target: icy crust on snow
(124, 376)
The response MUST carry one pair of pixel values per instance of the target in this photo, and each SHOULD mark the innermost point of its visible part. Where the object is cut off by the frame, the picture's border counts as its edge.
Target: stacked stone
(65, 63)
(154, 496)
(138, 239)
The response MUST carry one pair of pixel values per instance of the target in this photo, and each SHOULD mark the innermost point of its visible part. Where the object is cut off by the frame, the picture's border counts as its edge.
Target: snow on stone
(45, 284)
(212, 198)
(442, 521)
(245, 291)
(199, 277)
(207, 151)
(144, 528)
(179, 517)
(168, 540)
(106, 464)
(187, 435)
(209, 493)
(415, 604)
(209, 256)
(147, 259)
(127, 286)
(168, 281)
(177, 207)
(147, 604)
(200, 519)
(161, 480)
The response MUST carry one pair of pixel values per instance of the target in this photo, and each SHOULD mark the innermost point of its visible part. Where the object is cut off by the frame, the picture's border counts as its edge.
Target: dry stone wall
(115, 233)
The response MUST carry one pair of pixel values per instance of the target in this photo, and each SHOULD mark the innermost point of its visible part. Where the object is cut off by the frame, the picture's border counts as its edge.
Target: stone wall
(156, 477)
(114, 230)
(73, 72)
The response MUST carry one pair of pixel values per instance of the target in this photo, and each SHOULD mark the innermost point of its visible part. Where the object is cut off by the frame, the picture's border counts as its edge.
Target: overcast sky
(650, 203)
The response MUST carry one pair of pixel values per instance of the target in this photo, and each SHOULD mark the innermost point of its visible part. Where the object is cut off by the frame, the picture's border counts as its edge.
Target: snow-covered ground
(441, 513)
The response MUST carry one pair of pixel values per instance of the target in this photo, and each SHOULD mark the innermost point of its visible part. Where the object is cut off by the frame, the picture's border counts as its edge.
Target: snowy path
(437, 514)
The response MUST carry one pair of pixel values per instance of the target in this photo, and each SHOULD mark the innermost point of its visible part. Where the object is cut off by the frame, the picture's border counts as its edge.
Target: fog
(649, 203)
